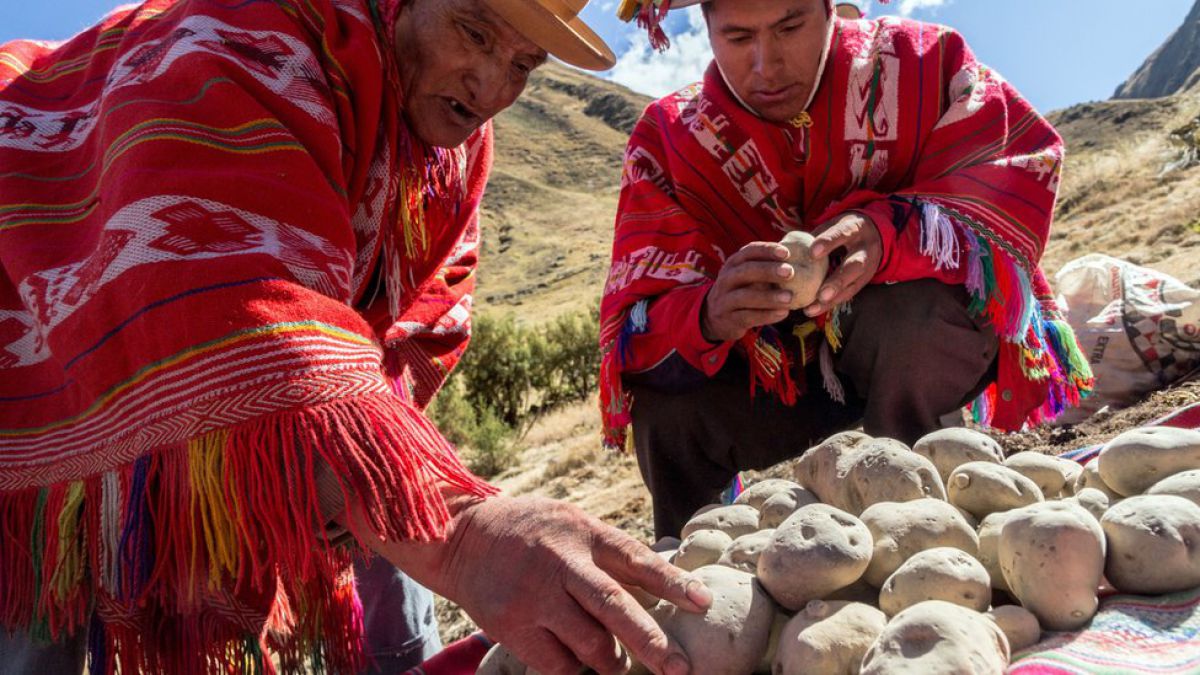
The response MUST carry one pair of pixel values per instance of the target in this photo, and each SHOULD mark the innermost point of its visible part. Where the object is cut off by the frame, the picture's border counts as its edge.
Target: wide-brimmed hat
(554, 25)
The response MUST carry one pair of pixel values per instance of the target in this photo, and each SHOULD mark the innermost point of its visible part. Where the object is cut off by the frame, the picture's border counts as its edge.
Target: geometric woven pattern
(1130, 634)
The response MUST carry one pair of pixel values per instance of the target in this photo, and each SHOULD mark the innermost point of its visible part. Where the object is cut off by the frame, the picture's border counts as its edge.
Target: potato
(666, 544)
(937, 574)
(813, 553)
(971, 520)
(983, 488)
(1137, 459)
(810, 271)
(500, 661)
(1092, 500)
(821, 469)
(938, 638)
(989, 547)
(859, 591)
(900, 530)
(780, 505)
(856, 472)
(1049, 473)
(829, 638)
(734, 521)
(730, 638)
(1154, 544)
(950, 448)
(700, 548)
(1073, 470)
(768, 656)
(1052, 556)
(759, 492)
(887, 471)
(1020, 626)
(1185, 484)
(1090, 478)
(742, 554)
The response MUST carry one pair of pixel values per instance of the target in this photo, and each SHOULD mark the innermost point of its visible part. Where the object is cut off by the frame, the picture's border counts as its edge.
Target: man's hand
(545, 579)
(746, 294)
(864, 252)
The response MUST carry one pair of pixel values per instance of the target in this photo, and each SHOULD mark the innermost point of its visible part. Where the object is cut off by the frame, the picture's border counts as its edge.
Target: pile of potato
(943, 558)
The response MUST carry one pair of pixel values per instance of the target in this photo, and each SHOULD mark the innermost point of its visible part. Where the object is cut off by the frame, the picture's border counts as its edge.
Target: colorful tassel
(208, 541)
(650, 18)
(770, 367)
(829, 377)
(939, 240)
(637, 324)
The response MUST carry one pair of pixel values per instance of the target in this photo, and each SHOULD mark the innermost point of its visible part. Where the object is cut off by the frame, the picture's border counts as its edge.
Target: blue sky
(1058, 52)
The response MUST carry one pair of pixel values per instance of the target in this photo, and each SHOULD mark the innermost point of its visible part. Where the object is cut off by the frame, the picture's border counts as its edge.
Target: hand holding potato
(859, 236)
(746, 294)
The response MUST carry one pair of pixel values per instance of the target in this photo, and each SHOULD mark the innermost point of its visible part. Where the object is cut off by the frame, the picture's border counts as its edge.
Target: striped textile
(958, 171)
(1130, 634)
(194, 197)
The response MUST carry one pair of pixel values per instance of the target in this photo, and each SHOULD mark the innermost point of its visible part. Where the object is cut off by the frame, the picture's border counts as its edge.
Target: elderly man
(930, 184)
(237, 244)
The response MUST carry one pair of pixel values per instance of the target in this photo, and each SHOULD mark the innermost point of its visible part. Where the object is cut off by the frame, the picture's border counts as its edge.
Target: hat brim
(572, 40)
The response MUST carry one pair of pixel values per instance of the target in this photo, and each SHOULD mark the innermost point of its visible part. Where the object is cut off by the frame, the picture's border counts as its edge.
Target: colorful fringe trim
(770, 366)
(650, 18)
(1001, 291)
(615, 402)
(199, 557)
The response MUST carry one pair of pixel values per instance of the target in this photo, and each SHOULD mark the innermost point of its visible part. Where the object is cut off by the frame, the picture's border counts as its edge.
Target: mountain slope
(549, 207)
(1171, 69)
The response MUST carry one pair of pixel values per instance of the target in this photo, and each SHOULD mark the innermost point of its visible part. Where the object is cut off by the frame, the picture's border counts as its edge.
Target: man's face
(769, 51)
(460, 65)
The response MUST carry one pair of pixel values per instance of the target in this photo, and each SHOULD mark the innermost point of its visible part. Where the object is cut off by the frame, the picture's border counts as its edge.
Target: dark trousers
(911, 354)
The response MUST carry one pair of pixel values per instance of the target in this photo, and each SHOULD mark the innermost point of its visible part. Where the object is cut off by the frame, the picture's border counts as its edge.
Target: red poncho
(194, 196)
(959, 173)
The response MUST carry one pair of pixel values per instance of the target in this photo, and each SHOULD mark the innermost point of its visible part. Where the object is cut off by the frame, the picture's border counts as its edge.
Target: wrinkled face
(460, 65)
(769, 51)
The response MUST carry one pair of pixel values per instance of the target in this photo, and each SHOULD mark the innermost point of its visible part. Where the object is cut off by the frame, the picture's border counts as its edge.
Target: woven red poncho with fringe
(957, 170)
(193, 198)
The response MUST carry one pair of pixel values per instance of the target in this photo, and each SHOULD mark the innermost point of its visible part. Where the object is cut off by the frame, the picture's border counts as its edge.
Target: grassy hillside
(548, 213)
(550, 204)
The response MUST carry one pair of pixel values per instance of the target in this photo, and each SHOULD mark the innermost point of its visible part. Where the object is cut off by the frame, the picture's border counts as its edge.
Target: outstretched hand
(858, 235)
(548, 581)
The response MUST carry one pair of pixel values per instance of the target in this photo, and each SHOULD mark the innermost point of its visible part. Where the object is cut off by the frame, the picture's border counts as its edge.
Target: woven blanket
(194, 196)
(1130, 634)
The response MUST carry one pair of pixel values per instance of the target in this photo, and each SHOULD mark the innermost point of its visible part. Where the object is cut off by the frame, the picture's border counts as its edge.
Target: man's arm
(704, 302)
(548, 580)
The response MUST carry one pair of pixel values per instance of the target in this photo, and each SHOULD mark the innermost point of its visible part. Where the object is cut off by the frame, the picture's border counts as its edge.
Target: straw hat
(554, 25)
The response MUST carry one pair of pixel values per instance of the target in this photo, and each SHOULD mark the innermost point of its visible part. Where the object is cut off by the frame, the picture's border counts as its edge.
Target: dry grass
(1115, 198)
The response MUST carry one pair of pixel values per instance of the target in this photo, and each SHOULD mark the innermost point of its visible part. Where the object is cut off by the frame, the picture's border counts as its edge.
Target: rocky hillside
(1173, 68)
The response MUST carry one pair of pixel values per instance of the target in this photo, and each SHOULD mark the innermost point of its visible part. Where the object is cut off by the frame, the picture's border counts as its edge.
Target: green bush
(484, 440)
(509, 377)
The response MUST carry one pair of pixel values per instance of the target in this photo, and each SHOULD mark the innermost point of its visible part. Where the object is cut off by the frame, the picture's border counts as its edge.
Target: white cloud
(907, 7)
(644, 70)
